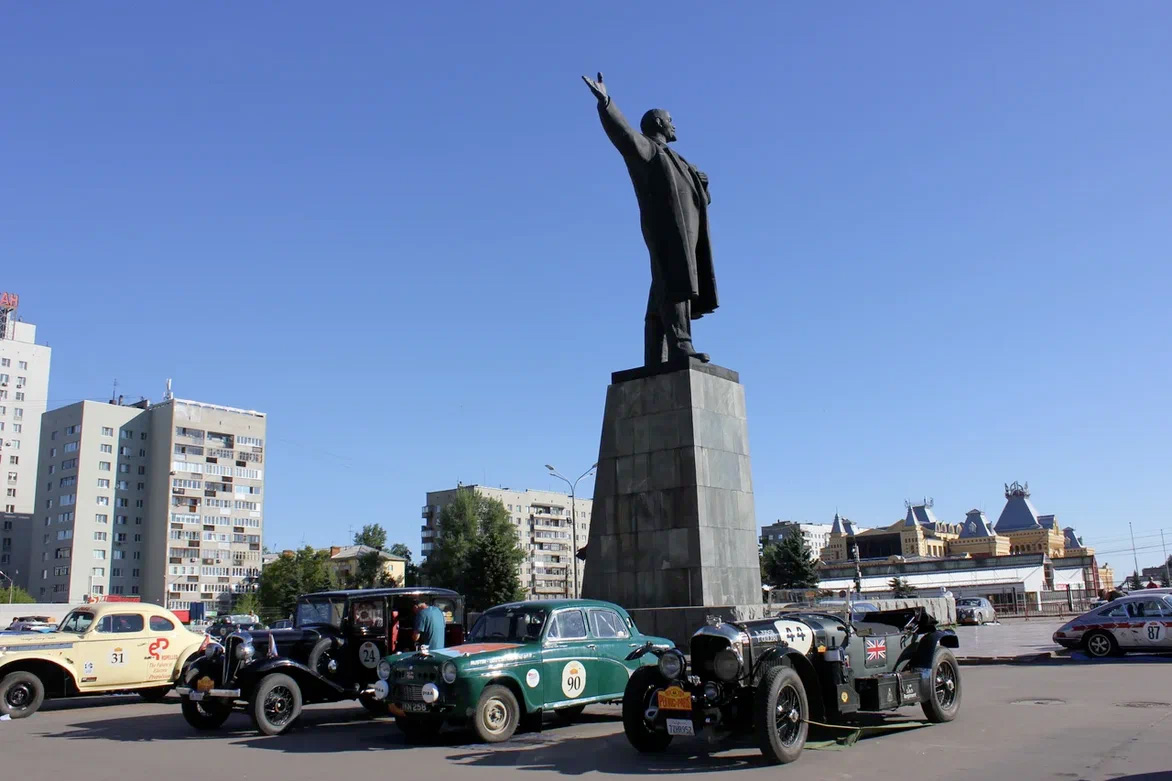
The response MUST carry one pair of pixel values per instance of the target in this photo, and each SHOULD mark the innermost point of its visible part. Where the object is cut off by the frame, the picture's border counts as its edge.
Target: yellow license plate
(674, 698)
(205, 684)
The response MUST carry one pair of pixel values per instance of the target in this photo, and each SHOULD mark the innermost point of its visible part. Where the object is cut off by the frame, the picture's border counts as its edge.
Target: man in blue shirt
(429, 626)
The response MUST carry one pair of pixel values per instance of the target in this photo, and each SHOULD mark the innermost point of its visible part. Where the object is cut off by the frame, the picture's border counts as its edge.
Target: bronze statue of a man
(673, 205)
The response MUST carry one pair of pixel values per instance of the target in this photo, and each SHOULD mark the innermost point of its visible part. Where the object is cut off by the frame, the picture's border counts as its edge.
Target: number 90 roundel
(573, 679)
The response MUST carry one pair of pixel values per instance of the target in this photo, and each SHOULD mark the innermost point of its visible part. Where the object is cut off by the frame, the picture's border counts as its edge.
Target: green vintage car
(520, 659)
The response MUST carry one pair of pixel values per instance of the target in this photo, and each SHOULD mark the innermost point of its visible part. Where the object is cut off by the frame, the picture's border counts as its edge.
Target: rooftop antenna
(167, 395)
(114, 395)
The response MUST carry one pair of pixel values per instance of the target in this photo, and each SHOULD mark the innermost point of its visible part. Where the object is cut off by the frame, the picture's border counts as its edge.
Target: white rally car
(1138, 622)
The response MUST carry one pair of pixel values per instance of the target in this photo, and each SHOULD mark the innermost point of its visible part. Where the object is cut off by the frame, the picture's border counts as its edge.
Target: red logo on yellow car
(156, 648)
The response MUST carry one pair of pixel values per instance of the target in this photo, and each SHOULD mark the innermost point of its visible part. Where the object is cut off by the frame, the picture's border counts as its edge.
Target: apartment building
(24, 393)
(545, 530)
(160, 501)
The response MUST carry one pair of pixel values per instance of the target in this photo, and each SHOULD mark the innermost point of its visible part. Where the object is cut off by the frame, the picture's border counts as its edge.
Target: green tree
(16, 595)
(476, 552)
(281, 582)
(248, 603)
(1134, 582)
(459, 525)
(789, 564)
(411, 570)
(369, 571)
(902, 588)
(495, 561)
(372, 536)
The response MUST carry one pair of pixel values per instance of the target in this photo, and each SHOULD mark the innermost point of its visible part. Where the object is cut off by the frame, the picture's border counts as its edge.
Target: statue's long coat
(673, 207)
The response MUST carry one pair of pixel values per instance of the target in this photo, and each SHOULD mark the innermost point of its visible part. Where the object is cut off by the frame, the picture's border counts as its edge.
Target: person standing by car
(429, 626)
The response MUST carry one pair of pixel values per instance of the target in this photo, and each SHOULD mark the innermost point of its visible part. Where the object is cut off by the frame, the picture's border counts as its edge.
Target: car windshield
(77, 621)
(320, 610)
(509, 625)
(968, 602)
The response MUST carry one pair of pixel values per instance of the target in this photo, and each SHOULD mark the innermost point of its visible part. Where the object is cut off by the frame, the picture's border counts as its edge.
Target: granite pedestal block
(673, 522)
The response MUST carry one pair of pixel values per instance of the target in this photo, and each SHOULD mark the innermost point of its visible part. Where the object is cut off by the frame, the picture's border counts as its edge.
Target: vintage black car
(333, 652)
(772, 677)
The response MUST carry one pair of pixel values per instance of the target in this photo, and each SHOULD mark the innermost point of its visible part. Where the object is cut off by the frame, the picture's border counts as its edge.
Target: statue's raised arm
(626, 139)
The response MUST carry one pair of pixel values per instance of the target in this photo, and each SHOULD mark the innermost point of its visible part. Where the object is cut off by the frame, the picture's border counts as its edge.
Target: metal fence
(1044, 603)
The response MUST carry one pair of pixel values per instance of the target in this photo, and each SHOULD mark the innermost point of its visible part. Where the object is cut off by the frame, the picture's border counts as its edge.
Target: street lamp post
(574, 518)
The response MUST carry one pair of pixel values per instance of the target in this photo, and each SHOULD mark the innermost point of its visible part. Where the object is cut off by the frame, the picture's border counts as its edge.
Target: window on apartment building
(17, 428)
(14, 460)
(142, 435)
(138, 521)
(138, 503)
(104, 501)
(20, 381)
(3, 394)
(124, 451)
(18, 412)
(142, 452)
(14, 444)
(120, 520)
(138, 538)
(142, 470)
(4, 378)
(141, 486)
(12, 492)
(124, 468)
(22, 365)
(107, 448)
(134, 573)
(101, 518)
(120, 537)
(102, 482)
(100, 554)
(107, 431)
(10, 508)
(103, 466)
(5, 361)
(123, 501)
(19, 397)
(137, 555)
(101, 536)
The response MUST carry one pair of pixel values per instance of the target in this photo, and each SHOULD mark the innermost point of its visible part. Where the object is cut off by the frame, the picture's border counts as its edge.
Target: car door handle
(632, 645)
(591, 646)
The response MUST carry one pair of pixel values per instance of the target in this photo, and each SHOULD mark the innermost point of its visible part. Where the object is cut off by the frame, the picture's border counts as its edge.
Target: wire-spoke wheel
(781, 714)
(945, 697)
(276, 704)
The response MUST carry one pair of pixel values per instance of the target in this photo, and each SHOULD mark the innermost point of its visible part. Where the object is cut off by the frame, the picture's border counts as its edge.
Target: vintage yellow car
(98, 649)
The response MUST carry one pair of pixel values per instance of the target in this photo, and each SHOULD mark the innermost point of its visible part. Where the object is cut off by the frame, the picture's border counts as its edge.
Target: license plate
(680, 727)
(205, 684)
(408, 676)
(415, 707)
(674, 698)
(196, 696)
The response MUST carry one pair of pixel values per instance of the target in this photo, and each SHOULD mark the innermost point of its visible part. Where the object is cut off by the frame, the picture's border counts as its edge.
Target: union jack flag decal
(876, 651)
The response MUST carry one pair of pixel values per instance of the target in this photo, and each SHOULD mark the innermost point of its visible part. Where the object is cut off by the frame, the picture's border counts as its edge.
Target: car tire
(497, 714)
(1100, 644)
(206, 714)
(636, 698)
(275, 704)
(781, 715)
(943, 701)
(374, 706)
(155, 693)
(21, 695)
(569, 715)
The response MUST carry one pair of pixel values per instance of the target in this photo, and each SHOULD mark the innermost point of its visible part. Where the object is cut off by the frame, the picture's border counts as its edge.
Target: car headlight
(213, 650)
(711, 692)
(726, 665)
(430, 693)
(384, 670)
(245, 651)
(671, 665)
(449, 672)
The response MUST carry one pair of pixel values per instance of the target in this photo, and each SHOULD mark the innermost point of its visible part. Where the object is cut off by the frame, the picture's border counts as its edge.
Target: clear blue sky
(941, 240)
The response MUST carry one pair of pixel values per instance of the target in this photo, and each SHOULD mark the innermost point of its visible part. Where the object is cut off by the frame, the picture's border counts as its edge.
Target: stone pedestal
(673, 522)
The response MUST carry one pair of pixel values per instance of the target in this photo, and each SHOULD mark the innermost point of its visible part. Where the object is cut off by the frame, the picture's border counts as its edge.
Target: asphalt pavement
(1011, 637)
(1073, 721)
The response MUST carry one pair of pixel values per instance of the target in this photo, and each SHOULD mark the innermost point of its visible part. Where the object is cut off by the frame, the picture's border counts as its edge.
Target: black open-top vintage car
(333, 652)
(775, 676)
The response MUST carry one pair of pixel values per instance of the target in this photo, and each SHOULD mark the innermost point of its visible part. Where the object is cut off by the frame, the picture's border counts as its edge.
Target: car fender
(805, 669)
(926, 647)
(58, 679)
(313, 686)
